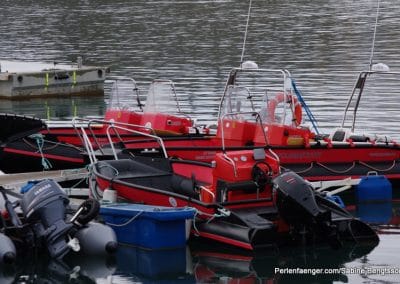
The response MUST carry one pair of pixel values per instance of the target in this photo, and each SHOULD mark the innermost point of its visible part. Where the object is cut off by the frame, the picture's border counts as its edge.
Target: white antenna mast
(373, 39)
(245, 34)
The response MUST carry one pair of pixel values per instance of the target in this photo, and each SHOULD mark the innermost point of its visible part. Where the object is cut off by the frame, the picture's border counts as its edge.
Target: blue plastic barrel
(372, 188)
(375, 213)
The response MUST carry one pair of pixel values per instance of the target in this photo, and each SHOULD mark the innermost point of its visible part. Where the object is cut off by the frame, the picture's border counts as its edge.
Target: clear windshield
(238, 103)
(252, 91)
(123, 93)
(162, 98)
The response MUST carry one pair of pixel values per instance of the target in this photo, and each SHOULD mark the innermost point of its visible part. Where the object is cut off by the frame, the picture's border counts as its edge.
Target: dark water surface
(324, 43)
(208, 263)
(195, 43)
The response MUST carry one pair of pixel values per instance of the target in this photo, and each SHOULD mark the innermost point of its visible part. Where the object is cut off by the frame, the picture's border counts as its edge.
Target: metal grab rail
(115, 128)
(112, 126)
(88, 147)
(359, 86)
(102, 122)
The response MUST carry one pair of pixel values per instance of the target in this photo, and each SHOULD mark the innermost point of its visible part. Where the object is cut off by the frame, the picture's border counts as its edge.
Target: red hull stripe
(48, 156)
(225, 256)
(326, 177)
(225, 240)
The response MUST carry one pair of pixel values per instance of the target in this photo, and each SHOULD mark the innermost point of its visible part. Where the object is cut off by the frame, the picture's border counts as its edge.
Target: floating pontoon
(20, 80)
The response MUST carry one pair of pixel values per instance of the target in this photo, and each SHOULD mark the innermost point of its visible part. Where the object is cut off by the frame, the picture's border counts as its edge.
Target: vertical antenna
(374, 36)
(245, 34)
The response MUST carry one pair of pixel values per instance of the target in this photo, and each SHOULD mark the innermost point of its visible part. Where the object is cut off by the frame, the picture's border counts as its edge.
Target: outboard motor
(297, 205)
(44, 205)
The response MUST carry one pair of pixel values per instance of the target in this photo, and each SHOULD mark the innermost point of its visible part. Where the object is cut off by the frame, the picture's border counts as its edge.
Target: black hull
(24, 155)
(14, 127)
(244, 229)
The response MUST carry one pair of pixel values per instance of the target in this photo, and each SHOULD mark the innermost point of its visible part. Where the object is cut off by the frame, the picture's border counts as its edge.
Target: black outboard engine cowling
(44, 205)
(296, 201)
(297, 205)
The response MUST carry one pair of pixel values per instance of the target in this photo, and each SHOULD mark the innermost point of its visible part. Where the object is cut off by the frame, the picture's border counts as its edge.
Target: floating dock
(22, 80)
(14, 182)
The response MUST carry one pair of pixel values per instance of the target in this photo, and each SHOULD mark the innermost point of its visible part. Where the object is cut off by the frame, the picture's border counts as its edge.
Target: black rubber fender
(91, 208)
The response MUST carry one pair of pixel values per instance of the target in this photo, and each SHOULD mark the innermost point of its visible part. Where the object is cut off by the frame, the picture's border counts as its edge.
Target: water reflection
(376, 213)
(203, 262)
(212, 266)
(56, 108)
(194, 264)
(77, 269)
(170, 265)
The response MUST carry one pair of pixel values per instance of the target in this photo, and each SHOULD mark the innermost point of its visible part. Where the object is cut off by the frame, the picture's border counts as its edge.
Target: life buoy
(297, 114)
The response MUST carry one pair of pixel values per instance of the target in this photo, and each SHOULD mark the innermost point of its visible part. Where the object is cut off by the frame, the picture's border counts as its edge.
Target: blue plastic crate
(152, 227)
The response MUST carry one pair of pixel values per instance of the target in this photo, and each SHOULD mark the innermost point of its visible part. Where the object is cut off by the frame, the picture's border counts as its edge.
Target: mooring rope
(109, 166)
(305, 170)
(223, 213)
(40, 142)
(348, 169)
(52, 146)
(336, 171)
(127, 222)
(379, 170)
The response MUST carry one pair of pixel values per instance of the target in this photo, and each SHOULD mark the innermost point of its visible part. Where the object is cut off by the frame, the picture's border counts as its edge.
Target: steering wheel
(261, 176)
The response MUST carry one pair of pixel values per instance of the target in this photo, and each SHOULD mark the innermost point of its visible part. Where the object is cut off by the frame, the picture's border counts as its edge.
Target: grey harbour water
(195, 43)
